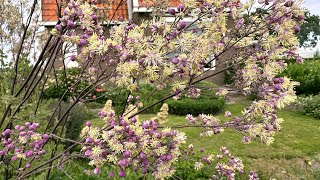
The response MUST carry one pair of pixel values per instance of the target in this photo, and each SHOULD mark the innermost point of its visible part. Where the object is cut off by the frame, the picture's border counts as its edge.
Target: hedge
(308, 74)
(195, 106)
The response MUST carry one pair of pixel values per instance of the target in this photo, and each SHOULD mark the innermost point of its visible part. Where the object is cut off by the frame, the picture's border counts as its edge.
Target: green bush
(195, 106)
(308, 74)
(66, 81)
(310, 105)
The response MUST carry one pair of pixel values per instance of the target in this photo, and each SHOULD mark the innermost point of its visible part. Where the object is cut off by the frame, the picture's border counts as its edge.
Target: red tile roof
(49, 8)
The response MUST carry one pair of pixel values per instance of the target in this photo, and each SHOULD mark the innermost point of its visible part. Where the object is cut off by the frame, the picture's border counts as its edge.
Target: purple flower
(45, 136)
(17, 127)
(70, 24)
(175, 61)
(172, 11)
(22, 133)
(299, 59)
(14, 158)
(27, 124)
(145, 125)
(111, 174)
(288, 3)
(126, 154)
(58, 27)
(33, 127)
(169, 157)
(180, 7)
(123, 163)
(6, 132)
(89, 140)
(96, 170)
(300, 17)
(278, 80)
(28, 165)
(94, 17)
(227, 114)
(88, 123)
(121, 173)
(181, 25)
(296, 28)
(29, 153)
(73, 57)
(22, 128)
(82, 42)
(2, 152)
(277, 87)
(143, 155)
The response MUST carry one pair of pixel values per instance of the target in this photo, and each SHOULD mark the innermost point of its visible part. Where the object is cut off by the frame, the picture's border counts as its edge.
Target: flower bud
(96, 170)
(58, 27)
(175, 61)
(73, 57)
(126, 154)
(296, 28)
(121, 173)
(180, 7)
(181, 25)
(288, 3)
(172, 11)
(82, 42)
(70, 24)
(143, 155)
(88, 123)
(6, 132)
(14, 158)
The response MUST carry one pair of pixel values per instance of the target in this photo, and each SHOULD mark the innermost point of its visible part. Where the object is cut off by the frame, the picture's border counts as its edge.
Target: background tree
(310, 30)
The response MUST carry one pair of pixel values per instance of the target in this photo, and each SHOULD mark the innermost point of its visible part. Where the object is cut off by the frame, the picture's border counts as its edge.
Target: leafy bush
(66, 82)
(75, 120)
(195, 107)
(118, 96)
(310, 105)
(308, 74)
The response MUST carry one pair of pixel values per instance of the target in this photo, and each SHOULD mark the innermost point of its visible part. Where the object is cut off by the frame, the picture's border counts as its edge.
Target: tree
(163, 55)
(310, 30)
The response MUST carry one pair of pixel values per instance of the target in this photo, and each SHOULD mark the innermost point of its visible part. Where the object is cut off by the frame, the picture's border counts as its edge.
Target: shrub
(195, 106)
(308, 74)
(66, 81)
(310, 105)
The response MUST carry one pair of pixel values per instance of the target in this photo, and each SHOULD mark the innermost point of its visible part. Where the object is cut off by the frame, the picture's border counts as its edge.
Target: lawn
(295, 154)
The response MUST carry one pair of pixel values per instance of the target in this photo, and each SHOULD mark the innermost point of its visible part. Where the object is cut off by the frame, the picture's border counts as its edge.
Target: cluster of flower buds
(193, 92)
(130, 143)
(23, 143)
(230, 168)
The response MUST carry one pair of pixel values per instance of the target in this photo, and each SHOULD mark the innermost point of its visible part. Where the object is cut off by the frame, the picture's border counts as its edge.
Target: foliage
(76, 120)
(196, 106)
(310, 30)
(310, 105)
(307, 74)
(170, 57)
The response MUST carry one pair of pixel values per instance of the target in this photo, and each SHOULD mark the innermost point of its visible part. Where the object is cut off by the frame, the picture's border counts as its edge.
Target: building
(132, 10)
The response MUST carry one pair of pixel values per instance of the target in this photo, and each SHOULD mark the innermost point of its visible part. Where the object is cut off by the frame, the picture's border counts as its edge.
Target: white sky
(314, 7)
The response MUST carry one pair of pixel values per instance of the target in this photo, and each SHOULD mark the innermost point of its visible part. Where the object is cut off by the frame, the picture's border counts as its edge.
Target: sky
(314, 7)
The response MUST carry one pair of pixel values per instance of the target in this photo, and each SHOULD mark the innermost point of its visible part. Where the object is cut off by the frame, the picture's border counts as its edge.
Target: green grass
(295, 154)
(297, 144)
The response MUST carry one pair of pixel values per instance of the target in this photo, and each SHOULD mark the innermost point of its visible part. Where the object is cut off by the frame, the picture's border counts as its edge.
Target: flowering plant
(170, 55)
